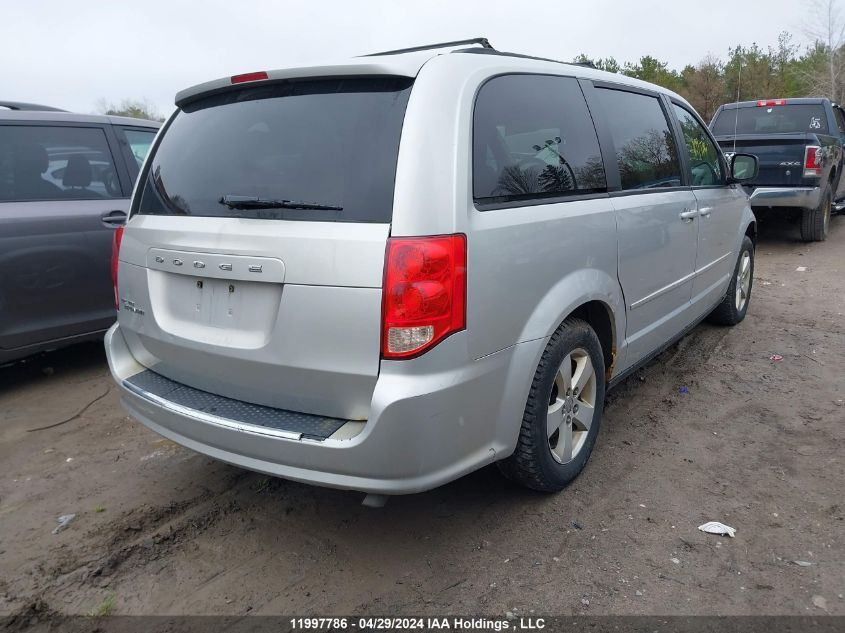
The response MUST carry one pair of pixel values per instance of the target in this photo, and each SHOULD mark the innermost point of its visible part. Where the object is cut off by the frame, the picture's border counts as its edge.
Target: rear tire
(563, 412)
(734, 306)
(815, 223)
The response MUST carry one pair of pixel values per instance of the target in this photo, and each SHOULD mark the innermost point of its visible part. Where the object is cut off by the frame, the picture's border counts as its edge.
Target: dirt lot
(755, 444)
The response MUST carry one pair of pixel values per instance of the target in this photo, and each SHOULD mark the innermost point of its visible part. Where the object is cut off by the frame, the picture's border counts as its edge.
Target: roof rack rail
(483, 41)
(18, 105)
(493, 51)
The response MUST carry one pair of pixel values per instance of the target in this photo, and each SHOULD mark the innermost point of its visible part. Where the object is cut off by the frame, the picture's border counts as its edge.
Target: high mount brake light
(256, 76)
(762, 103)
(117, 238)
(424, 294)
(812, 163)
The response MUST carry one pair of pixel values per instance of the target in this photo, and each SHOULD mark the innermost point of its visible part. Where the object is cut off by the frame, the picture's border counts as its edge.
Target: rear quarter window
(330, 142)
(533, 137)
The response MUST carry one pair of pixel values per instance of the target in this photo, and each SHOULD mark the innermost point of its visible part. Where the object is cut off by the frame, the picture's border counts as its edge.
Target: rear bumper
(799, 197)
(428, 425)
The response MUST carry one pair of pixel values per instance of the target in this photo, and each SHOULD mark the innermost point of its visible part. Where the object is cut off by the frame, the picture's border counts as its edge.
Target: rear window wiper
(254, 202)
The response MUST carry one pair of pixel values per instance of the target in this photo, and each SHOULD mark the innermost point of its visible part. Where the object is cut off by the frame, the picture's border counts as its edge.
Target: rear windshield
(325, 143)
(776, 119)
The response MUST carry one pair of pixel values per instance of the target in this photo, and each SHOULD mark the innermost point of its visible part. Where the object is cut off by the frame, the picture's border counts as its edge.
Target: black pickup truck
(799, 144)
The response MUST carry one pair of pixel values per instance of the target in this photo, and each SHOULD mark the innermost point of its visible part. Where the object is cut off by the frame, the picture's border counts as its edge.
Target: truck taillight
(812, 166)
(115, 253)
(424, 294)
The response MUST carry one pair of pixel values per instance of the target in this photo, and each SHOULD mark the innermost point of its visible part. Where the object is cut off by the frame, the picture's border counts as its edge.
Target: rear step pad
(311, 426)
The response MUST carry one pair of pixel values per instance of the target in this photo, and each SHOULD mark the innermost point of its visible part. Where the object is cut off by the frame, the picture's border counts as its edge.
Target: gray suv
(383, 274)
(65, 182)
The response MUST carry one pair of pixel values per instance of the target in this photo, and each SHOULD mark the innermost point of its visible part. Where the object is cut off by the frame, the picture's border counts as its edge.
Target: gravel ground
(754, 443)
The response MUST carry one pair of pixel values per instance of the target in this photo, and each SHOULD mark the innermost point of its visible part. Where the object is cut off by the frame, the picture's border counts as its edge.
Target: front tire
(734, 306)
(563, 412)
(815, 223)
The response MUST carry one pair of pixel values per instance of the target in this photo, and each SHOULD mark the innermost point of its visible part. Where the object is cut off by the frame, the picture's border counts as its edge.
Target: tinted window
(139, 142)
(533, 137)
(55, 163)
(840, 120)
(327, 142)
(705, 165)
(645, 147)
(776, 119)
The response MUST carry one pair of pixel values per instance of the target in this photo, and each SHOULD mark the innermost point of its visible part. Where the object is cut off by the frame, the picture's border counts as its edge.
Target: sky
(73, 54)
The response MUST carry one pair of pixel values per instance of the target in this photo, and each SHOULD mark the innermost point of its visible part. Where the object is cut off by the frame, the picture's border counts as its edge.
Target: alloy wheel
(571, 406)
(743, 281)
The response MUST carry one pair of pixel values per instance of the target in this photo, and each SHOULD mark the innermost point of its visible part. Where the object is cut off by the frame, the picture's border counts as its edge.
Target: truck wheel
(563, 412)
(735, 304)
(816, 222)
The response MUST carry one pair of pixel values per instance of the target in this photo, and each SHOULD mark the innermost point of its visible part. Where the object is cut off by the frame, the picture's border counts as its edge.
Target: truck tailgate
(781, 156)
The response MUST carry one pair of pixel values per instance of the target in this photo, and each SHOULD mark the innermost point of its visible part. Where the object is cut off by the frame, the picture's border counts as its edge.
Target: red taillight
(424, 298)
(812, 164)
(115, 253)
(256, 76)
(762, 103)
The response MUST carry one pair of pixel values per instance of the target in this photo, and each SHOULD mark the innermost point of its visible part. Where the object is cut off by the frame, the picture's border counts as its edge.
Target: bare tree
(136, 108)
(704, 85)
(826, 27)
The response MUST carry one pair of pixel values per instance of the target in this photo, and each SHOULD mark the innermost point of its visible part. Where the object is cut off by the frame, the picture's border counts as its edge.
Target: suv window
(327, 142)
(56, 163)
(645, 146)
(705, 164)
(771, 119)
(138, 142)
(533, 137)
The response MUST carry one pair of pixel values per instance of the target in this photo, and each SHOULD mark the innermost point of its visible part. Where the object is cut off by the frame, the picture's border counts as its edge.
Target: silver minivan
(383, 274)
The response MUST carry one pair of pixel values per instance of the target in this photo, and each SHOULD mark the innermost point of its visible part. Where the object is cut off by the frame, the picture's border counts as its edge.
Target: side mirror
(743, 167)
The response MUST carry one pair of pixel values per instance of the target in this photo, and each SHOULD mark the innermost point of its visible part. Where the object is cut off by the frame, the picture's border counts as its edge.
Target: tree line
(749, 73)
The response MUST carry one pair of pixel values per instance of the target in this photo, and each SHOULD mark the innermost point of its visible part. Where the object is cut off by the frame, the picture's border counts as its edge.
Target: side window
(840, 120)
(645, 146)
(56, 163)
(704, 160)
(138, 142)
(532, 138)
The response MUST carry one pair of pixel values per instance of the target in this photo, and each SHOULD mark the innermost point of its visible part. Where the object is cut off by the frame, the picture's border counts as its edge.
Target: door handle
(689, 216)
(114, 218)
(705, 212)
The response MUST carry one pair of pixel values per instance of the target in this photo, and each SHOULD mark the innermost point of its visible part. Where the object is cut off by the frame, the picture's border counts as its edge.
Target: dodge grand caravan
(383, 274)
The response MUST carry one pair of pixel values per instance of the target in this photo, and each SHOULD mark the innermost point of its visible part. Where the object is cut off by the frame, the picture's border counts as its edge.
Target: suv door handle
(114, 218)
(705, 211)
(688, 216)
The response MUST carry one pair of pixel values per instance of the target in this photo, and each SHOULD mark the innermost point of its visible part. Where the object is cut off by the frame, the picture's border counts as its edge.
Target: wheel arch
(751, 232)
(599, 316)
(590, 294)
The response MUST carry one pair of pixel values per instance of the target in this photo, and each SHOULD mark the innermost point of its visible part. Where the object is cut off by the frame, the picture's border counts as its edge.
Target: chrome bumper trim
(802, 197)
(207, 418)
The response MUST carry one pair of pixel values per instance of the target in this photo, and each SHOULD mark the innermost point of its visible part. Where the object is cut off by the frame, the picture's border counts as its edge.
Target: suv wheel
(735, 304)
(563, 412)
(815, 223)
